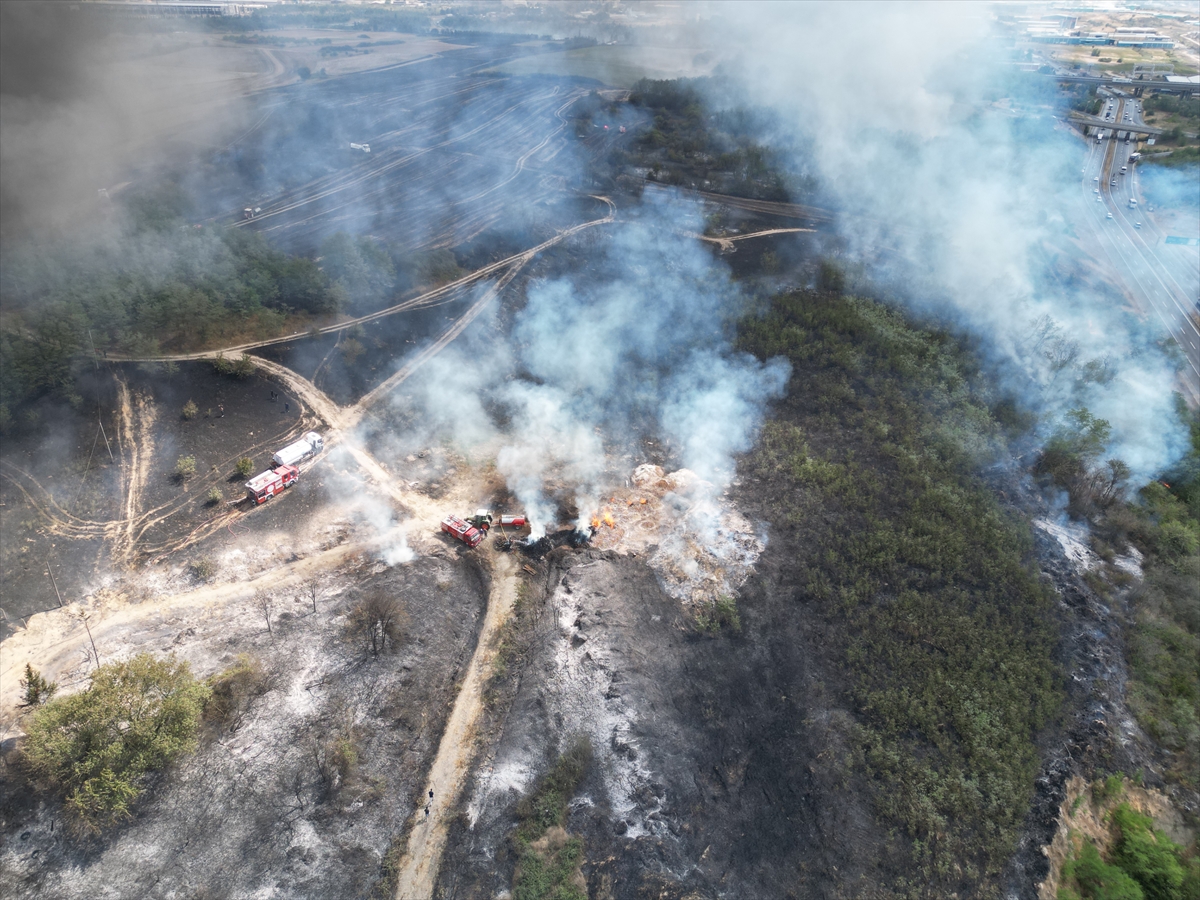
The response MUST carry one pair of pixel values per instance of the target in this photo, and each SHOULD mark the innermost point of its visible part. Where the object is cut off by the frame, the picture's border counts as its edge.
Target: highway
(1164, 284)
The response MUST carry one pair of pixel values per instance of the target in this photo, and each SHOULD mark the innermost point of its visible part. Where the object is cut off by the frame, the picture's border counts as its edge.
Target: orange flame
(609, 520)
(595, 522)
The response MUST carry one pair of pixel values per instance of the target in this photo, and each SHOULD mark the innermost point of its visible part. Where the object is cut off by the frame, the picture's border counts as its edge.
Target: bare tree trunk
(265, 604)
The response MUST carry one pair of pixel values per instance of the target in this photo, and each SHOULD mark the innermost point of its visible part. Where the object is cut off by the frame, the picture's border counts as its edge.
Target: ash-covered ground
(554, 343)
(259, 809)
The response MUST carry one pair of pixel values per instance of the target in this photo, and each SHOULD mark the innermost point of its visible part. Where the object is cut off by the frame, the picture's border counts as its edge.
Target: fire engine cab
(457, 528)
(262, 488)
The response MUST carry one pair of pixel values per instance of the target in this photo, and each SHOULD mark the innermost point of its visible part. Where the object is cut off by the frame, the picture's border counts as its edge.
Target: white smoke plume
(635, 345)
(954, 205)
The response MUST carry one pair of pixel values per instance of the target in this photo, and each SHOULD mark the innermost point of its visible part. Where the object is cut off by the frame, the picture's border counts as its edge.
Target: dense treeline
(1186, 106)
(153, 282)
(927, 586)
(693, 146)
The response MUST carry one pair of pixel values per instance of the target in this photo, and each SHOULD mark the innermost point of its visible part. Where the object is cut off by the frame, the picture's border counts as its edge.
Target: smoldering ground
(956, 208)
(637, 345)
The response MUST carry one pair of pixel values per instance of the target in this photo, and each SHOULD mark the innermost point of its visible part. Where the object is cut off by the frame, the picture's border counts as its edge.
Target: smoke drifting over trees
(955, 208)
(637, 346)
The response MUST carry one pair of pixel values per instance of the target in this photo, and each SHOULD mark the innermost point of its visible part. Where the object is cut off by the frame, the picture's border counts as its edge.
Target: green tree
(185, 467)
(190, 410)
(35, 689)
(244, 467)
(94, 747)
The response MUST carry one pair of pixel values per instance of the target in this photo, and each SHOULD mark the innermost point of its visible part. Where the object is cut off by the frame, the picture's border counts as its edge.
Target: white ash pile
(700, 546)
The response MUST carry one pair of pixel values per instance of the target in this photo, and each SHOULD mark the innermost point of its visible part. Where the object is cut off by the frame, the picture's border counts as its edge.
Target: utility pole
(50, 572)
(95, 362)
(100, 415)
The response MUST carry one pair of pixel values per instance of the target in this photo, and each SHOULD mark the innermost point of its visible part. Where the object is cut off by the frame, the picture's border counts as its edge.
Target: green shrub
(547, 876)
(215, 496)
(721, 613)
(1110, 788)
(1090, 878)
(135, 717)
(546, 805)
(1147, 855)
(185, 467)
(203, 569)
(190, 410)
(244, 467)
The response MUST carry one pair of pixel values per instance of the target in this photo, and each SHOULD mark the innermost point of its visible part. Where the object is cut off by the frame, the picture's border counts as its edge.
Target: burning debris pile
(700, 547)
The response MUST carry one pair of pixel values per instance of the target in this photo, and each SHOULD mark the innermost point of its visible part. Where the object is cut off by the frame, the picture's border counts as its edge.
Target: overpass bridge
(1108, 125)
(1135, 86)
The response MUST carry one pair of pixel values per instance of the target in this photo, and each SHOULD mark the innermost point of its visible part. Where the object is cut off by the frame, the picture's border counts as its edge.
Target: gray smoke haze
(85, 97)
(636, 346)
(953, 205)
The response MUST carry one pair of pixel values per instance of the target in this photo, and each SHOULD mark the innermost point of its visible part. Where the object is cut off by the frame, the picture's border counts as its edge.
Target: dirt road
(54, 639)
(456, 751)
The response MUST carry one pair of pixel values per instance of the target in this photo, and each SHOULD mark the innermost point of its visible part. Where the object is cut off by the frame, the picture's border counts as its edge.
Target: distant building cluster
(1049, 30)
(1063, 29)
(177, 7)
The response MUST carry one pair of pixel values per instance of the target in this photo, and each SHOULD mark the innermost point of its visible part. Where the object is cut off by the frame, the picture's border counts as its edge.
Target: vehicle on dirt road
(309, 445)
(463, 531)
(262, 488)
(484, 519)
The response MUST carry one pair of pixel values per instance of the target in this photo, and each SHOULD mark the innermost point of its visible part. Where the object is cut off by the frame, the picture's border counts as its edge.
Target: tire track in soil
(53, 636)
(135, 437)
(456, 749)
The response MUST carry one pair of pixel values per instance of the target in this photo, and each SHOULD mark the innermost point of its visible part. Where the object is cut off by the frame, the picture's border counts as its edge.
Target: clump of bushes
(244, 467)
(215, 496)
(185, 467)
(232, 690)
(242, 368)
(1143, 863)
(377, 620)
(549, 858)
(203, 568)
(190, 410)
(94, 747)
(718, 614)
(336, 759)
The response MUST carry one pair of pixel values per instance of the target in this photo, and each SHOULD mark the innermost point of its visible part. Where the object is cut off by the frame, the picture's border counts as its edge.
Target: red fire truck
(457, 528)
(262, 488)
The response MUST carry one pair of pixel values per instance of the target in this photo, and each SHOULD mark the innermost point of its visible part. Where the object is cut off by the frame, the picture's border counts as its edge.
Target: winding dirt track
(48, 639)
(456, 751)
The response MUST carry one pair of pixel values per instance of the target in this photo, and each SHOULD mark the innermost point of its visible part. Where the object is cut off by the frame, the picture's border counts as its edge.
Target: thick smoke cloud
(637, 345)
(85, 98)
(953, 203)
